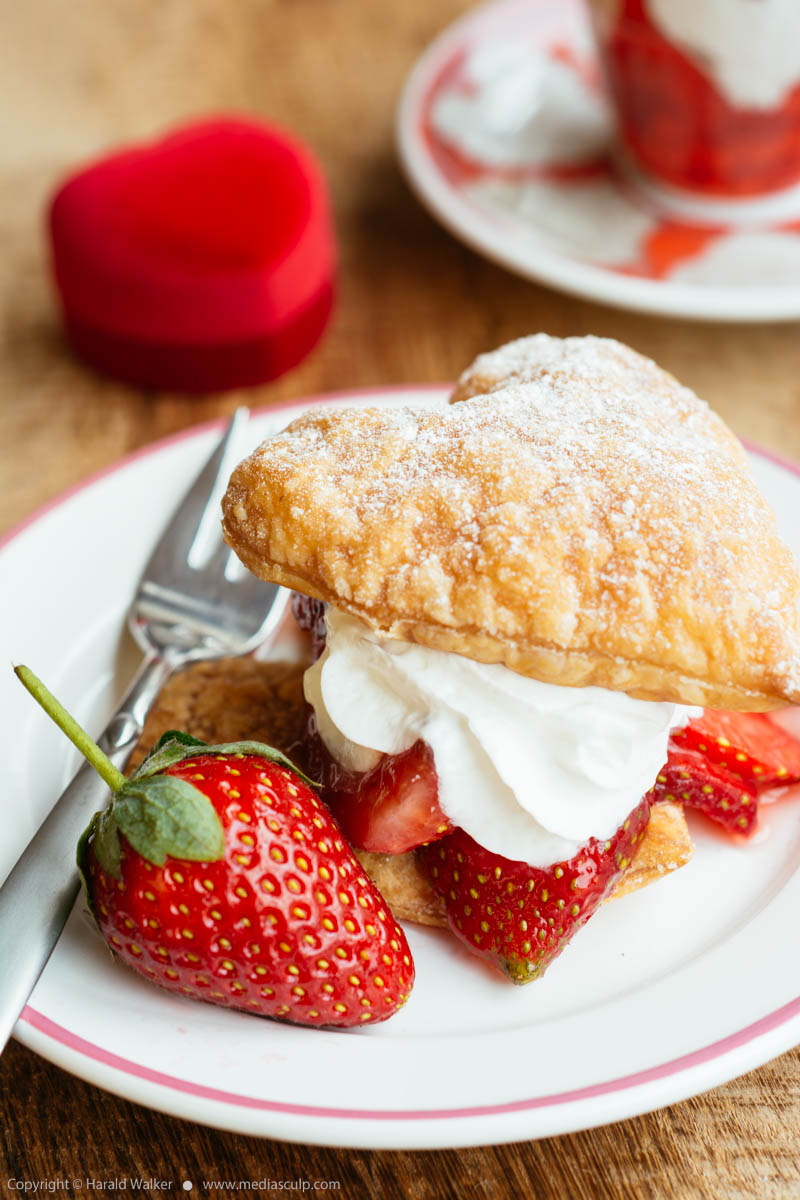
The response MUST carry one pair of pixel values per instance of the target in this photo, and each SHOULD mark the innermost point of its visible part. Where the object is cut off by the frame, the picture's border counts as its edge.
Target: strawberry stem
(78, 736)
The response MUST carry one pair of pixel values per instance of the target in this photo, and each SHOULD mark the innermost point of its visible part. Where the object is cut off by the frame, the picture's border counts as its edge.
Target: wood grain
(413, 305)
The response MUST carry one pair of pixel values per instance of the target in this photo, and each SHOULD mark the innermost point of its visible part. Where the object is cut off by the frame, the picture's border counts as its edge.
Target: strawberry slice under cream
(529, 770)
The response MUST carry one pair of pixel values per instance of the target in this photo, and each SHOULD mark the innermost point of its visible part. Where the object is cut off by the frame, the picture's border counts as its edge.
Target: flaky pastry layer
(575, 515)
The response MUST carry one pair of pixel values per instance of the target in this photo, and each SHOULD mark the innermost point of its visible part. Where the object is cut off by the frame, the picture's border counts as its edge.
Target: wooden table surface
(414, 305)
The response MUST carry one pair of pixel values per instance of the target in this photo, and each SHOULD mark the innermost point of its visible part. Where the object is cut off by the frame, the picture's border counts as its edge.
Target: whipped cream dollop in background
(751, 50)
(530, 770)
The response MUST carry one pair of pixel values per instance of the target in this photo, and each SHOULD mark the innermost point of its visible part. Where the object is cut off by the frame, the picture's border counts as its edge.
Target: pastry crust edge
(550, 664)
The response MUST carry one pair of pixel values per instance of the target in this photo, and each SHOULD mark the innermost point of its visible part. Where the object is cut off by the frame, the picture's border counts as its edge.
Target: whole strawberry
(521, 917)
(216, 872)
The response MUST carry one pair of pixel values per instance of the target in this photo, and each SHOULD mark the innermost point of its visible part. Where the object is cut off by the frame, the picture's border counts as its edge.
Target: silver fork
(193, 601)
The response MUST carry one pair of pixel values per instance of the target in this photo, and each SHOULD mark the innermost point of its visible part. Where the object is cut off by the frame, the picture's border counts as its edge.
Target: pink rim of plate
(71, 1041)
(663, 1070)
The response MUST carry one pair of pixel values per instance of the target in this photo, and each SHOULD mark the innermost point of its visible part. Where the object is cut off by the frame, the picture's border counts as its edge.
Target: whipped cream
(518, 107)
(530, 770)
(750, 50)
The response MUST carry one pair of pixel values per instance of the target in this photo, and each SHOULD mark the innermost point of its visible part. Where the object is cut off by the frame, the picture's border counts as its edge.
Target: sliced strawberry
(748, 745)
(521, 917)
(390, 809)
(310, 616)
(690, 778)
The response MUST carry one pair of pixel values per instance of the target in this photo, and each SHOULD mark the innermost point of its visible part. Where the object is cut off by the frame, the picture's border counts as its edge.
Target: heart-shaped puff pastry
(578, 516)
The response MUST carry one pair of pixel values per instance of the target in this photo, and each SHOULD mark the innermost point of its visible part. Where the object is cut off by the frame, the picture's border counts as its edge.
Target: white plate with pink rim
(505, 134)
(664, 994)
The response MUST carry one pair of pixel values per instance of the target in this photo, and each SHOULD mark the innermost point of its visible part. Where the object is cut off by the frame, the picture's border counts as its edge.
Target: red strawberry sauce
(679, 127)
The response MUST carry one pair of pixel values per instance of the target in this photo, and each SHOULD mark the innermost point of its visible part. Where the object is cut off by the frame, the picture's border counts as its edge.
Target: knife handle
(37, 896)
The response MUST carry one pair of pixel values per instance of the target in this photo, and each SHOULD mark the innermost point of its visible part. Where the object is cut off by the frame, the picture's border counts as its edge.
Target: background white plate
(538, 193)
(664, 994)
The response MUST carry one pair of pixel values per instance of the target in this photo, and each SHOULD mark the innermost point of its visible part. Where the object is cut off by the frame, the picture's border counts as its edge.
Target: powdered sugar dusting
(574, 495)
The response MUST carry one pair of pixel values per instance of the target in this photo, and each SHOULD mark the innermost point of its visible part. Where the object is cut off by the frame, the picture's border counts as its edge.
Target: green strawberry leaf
(162, 816)
(178, 735)
(174, 746)
(106, 841)
(170, 748)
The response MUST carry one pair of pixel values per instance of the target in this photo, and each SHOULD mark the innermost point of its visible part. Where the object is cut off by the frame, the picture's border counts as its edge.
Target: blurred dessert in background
(707, 92)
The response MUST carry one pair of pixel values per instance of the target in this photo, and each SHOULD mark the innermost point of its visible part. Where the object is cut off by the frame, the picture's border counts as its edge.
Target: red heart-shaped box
(199, 262)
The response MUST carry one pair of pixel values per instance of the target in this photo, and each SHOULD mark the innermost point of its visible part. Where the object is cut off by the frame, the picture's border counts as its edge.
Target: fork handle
(38, 895)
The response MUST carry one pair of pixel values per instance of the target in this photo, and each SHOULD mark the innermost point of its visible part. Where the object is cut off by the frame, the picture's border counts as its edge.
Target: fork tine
(217, 563)
(197, 514)
(269, 597)
(187, 601)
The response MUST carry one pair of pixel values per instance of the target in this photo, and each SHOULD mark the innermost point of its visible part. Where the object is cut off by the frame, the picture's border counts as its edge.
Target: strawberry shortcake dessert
(546, 616)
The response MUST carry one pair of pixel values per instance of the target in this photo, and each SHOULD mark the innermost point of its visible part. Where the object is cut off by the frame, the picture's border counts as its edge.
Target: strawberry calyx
(175, 745)
(163, 816)
(160, 815)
